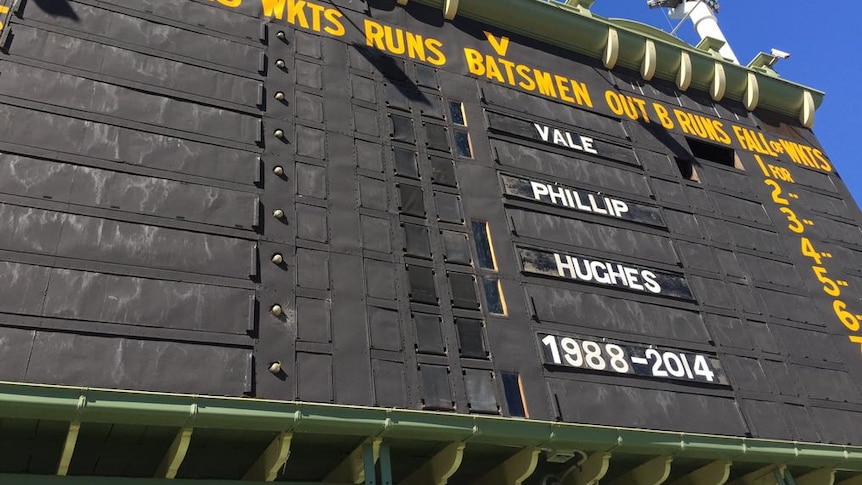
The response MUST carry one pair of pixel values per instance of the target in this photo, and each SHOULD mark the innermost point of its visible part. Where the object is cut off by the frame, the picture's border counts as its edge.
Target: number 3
(795, 224)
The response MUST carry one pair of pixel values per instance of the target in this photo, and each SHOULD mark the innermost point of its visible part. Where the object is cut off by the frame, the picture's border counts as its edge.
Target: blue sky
(822, 39)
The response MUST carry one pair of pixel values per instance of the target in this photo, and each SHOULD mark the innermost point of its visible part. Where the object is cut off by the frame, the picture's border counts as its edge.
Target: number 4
(701, 368)
(808, 250)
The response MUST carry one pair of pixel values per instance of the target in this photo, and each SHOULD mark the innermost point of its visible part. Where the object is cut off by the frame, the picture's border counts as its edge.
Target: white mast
(702, 15)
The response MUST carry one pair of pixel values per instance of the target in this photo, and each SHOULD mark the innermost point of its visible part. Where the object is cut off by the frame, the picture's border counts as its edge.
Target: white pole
(705, 23)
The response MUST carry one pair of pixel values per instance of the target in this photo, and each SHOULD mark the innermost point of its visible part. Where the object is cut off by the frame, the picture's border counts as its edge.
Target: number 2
(776, 192)
(657, 371)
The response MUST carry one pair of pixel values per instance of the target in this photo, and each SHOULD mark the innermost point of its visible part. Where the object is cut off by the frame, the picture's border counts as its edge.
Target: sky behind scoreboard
(821, 38)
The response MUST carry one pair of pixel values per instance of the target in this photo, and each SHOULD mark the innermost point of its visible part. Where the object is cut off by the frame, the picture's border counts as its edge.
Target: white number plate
(600, 355)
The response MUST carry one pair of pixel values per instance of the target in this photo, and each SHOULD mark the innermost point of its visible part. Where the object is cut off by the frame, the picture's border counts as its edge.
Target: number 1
(551, 342)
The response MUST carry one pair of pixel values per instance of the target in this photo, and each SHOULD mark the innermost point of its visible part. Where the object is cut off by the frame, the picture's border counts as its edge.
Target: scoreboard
(361, 203)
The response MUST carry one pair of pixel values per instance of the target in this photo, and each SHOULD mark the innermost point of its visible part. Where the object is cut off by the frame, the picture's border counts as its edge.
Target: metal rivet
(279, 133)
(279, 96)
(280, 64)
(275, 310)
(280, 35)
(277, 258)
(278, 213)
(278, 170)
(275, 367)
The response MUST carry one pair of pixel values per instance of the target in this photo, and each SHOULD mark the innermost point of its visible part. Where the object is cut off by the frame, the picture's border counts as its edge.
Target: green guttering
(575, 28)
(87, 405)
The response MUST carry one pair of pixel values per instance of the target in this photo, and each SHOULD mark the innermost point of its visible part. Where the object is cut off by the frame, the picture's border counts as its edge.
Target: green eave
(258, 425)
(575, 28)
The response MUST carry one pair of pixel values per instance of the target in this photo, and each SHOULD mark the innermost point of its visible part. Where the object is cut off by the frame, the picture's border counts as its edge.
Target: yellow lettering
(527, 83)
(273, 8)
(226, 3)
(391, 44)
(614, 103)
(718, 128)
(296, 13)
(316, 10)
(336, 28)
(582, 95)
(563, 89)
(374, 34)
(510, 75)
(415, 46)
(475, 62)
(737, 130)
(641, 105)
(500, 46)
(546, 85)
(765, 145)
(663, 116)
(684, 121)
(435, 47)
(493, 70)
(824, 163)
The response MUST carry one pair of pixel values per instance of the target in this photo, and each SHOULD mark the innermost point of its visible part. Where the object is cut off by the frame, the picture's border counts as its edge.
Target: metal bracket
(590, 471)
(513, 471)
(653, 472)
(265, 469)
(352, 469)
(716, 473)
(438, 470)
(175, 455)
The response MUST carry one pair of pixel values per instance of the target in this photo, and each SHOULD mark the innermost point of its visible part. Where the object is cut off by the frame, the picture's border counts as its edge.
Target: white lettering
(539, 190)
(562, 267)
(544, 131)
(632, 275)
(596, 265)
(650, 282)
(594, 207)
(620, 207)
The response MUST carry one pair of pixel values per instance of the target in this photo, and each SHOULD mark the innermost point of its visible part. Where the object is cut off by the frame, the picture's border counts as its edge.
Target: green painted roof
(575, 28)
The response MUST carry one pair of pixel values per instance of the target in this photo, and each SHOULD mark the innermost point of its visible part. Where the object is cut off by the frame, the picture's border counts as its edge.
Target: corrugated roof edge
(577, 29)
(89, 405)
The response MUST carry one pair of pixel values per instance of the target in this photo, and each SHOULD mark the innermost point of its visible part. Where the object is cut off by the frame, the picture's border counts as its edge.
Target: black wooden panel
(314, 377)
(587, 402)
(94, 57)
(86, 360)
(138, 32)
(429, 340)
(436, 388)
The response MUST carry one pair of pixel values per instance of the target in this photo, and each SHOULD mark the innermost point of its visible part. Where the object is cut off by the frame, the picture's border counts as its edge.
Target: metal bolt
(275, 367)
(280, 64)
(278, 213)
(276, 310)
(279, 96)
(280, 35)
(279, 133)
(278, 170)
(277, 258)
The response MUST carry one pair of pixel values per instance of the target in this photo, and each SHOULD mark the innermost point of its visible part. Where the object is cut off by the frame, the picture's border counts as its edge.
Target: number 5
(829, 285)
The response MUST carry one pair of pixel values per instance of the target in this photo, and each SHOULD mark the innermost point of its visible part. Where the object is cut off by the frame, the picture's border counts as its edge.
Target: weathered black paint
(137, 195)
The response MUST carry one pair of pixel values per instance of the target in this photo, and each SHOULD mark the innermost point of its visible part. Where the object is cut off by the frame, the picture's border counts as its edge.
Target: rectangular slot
(514, 390)
(495, 300)
(484, 245)
(463, 145)
(459, 116)
(715, 153)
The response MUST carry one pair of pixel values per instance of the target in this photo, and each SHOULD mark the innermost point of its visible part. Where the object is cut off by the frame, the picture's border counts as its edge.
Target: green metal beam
(54, 480)
(577, 29)
(30, 401)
